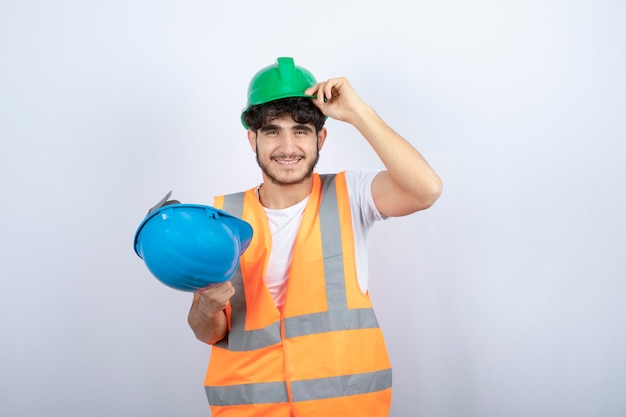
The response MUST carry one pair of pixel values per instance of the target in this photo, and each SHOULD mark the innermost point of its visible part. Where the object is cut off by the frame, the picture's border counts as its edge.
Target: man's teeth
(288, 161)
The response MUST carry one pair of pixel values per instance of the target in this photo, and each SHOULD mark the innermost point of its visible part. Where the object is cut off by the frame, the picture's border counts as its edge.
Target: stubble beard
(298, 180)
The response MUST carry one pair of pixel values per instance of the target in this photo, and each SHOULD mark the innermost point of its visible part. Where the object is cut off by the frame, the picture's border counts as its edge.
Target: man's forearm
(410, 171)
(208, 328)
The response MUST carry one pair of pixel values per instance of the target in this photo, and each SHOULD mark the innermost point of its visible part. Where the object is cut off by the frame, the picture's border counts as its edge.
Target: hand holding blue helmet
(190, 246)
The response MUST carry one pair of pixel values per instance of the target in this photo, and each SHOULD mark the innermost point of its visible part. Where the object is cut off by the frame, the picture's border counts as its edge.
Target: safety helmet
(190, 246)
(281, 80)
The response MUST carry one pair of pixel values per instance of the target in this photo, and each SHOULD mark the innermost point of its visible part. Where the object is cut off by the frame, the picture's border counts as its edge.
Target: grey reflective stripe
(259, 393)
(329, 321)
(336, 386)
(331, 245)
(238, 338)
(233, 204)
(304, 390)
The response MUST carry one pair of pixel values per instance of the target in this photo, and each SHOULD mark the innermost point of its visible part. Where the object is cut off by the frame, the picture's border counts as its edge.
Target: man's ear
(321, 138)
(252, 139)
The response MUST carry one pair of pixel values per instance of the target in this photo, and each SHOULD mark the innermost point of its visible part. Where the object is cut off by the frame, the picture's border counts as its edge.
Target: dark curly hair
(301, 109)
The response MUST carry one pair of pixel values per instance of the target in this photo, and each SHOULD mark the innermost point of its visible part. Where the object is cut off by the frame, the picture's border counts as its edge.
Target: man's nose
(289, 143)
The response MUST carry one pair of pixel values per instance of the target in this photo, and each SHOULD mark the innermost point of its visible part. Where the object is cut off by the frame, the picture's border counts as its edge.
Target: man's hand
(207, 317)
(337, 99)
(214, 298)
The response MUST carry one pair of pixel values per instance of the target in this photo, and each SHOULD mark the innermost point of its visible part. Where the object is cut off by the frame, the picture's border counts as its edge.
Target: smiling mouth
(289, 161)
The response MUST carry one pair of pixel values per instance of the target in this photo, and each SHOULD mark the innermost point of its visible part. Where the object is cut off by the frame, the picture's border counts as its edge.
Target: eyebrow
(294, 127)
(269, 127)
(302, 127)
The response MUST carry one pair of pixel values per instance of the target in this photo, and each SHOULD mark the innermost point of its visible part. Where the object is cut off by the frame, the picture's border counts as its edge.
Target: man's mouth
(288, 161)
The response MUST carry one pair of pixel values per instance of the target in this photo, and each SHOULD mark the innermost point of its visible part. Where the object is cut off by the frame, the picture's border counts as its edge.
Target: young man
(293, 332)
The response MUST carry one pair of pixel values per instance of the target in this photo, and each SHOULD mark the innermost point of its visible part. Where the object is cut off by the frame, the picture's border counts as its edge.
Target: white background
(503, 299)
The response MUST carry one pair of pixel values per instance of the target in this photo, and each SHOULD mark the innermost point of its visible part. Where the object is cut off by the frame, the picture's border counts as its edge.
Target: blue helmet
(190, 246)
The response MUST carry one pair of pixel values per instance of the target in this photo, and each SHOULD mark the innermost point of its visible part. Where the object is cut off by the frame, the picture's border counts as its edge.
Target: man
(293, 332)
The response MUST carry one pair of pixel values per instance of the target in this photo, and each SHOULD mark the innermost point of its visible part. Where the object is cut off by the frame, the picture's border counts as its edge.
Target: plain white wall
(504, 299)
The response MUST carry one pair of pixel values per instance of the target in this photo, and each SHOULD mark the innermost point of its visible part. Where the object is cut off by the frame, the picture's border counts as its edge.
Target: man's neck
(276, 197)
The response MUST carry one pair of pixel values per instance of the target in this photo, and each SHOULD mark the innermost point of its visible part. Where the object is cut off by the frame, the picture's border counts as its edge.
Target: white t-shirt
(284, 225)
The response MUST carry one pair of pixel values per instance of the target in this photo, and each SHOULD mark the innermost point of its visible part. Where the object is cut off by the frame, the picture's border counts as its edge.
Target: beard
(273, 177)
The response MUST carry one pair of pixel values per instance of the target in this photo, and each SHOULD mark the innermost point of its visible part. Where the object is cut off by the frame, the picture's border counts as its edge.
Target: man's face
(287, 151)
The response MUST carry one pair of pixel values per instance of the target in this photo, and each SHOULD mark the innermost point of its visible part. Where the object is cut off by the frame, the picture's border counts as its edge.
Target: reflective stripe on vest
(337, 317)
(310, 389)
(264, 392)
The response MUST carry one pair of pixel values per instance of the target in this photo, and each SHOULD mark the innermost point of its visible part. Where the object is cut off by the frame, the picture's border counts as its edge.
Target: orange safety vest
(325, 354)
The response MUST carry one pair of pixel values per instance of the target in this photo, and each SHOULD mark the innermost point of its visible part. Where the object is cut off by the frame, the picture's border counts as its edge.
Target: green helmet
(281, 80)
